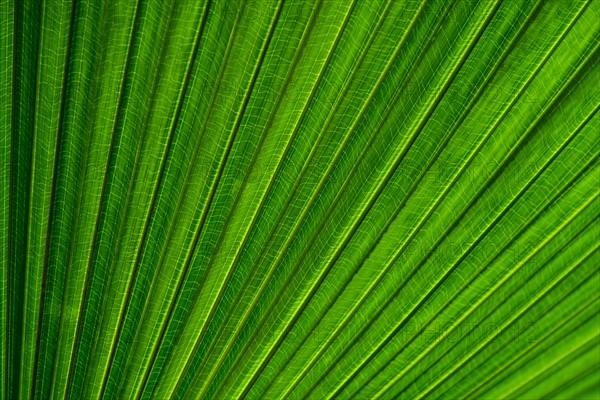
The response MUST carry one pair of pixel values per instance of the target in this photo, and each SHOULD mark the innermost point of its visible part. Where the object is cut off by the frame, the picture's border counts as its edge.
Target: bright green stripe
(469, 273)
(531, 342)
(467, 185)
(492, 274)
(581, 386)
(314, 52)
(442, 254)
(191, 206)
(450, 319)
(145, 58)
(345, 203)
(277, 73)
(331, 81)
(27, 21)
(174, 160)
(528, 341)
(573, 276)
(49, 104)
(154, 127)
(487, 313)
(551, 358)
(77, 104)
(401, 183)
(250, 51)
(321, 172)
(550, 184)
(536, 300)
(334, 218)
(118, 33)
(299, 199)
(573, 366)
(7, 31)
(117, 21)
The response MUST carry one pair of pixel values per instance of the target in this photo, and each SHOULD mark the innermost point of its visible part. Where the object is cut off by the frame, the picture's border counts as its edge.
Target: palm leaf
(299, 199)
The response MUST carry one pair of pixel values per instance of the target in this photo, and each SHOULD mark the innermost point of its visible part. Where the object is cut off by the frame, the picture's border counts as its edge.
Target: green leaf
(304, 199)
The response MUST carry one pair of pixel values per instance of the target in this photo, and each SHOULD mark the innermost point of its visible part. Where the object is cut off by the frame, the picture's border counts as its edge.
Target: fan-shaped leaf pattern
(304, 199)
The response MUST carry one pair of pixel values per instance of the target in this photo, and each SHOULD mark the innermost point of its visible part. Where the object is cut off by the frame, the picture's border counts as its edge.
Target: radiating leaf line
(530, 304)
(546, 312)
(440, 353)
(483, 188)
(52, 198)
(559, 302)
(201, 220)
(322, 182)
(198, 230)
(111, 193)
(488, 263)
(546, 352)
(297, 126)
(269, 187)
(500, 119)
(539, 212)
(573, 381)
(299, 199)
(88, 275)
(473, 308)
(188, 76)
(99, 220)
(550, 202)
(399, 160)
(236, 125)
(174, 120)
(422, 302)
(587, 345)
(347, 137)
(24, 375)
(416, 182)
(74, 151)
(572, 357)
(325, 175)
(486, 296)
(246, 317)
(532, 348)
(7, 121)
